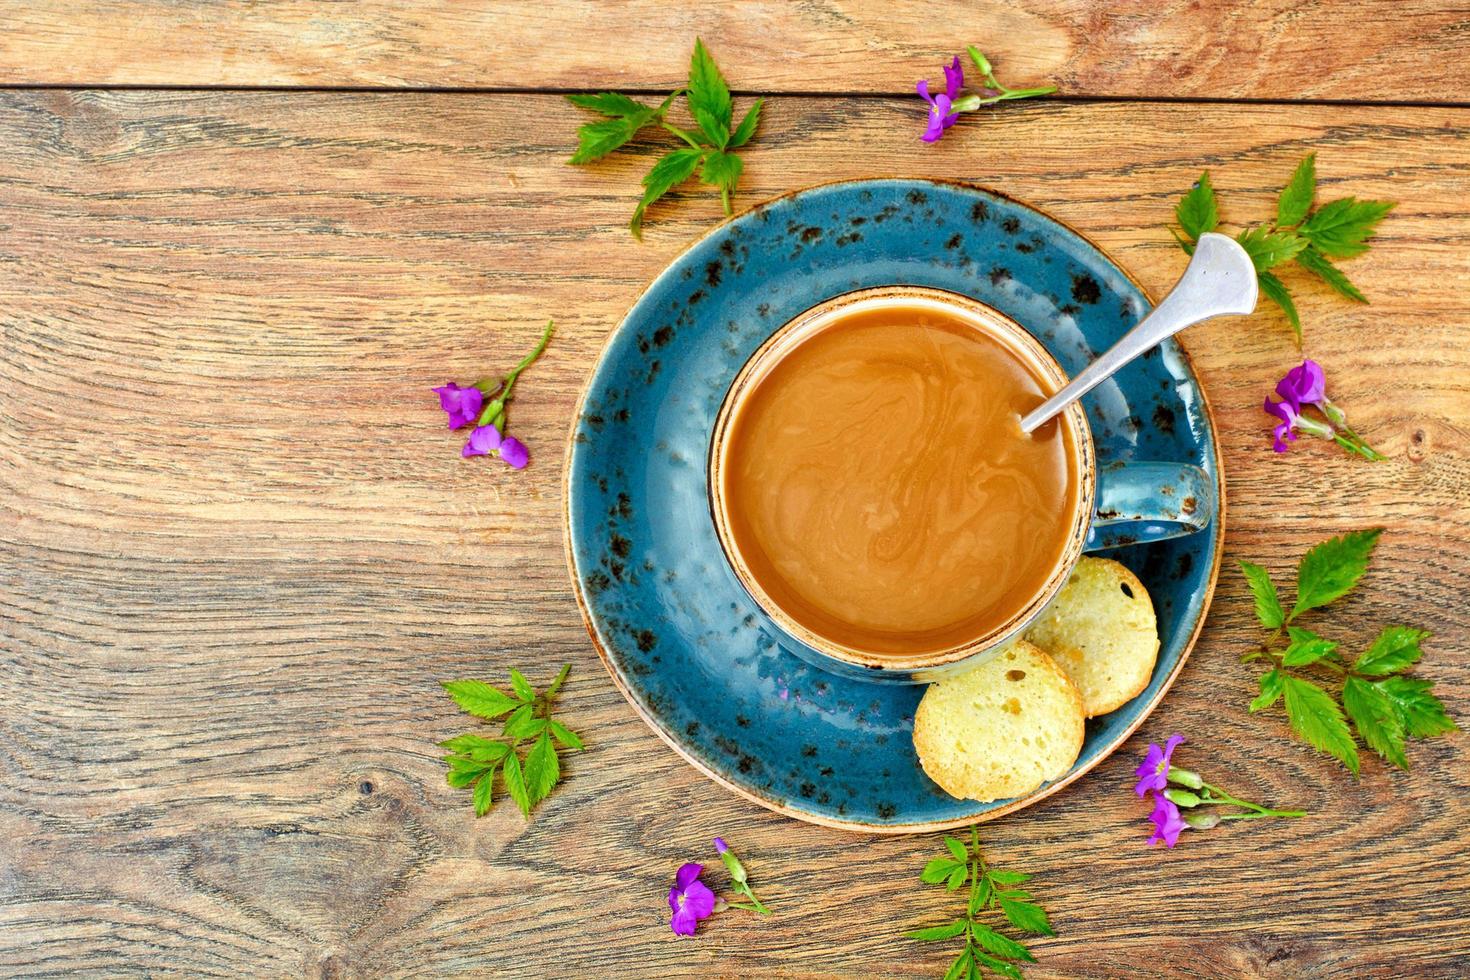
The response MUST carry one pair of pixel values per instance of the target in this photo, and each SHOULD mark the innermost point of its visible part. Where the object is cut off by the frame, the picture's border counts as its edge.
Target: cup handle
(1142, 502)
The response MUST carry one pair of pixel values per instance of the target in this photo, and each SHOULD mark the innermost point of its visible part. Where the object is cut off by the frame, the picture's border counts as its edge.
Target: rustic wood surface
(1353, 50)
(238, 549)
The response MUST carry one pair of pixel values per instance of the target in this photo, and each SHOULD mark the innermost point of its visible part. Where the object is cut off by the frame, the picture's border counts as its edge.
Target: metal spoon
(1220, 281)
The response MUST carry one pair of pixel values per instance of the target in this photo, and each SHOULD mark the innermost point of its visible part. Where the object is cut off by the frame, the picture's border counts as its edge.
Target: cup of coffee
(874, 494)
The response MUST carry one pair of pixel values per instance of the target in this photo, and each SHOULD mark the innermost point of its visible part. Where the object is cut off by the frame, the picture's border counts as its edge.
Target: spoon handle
(1220, 280)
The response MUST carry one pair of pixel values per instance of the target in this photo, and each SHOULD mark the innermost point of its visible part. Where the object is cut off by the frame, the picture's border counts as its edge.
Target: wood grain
(238, 550)
(1356, 50)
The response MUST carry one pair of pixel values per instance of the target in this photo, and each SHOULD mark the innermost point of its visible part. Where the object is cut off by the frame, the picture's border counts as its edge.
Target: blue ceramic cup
(1120, 502)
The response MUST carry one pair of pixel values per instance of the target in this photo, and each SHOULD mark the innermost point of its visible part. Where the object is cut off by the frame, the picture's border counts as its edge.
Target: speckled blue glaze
(692, 652)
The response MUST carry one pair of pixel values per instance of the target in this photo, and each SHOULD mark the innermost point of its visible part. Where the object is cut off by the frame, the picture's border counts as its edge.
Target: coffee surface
(879, 487)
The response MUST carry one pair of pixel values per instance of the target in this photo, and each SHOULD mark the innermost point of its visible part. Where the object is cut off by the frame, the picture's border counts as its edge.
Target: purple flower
(514, 452)
(940, 116)
(1304, 385)
(1166, 820)
(1154, 773)
(461, 404)
(484, 441)
(690, 899)
(1286, 428)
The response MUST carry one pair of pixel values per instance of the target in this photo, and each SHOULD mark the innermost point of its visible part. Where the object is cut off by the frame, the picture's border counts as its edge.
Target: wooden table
(240, 241)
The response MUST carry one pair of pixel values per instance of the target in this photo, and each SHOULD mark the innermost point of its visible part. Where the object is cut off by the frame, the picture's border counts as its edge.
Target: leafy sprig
(1385, 706)
(473, 759)
(709, 143)
(1339, 229)
(990, 890)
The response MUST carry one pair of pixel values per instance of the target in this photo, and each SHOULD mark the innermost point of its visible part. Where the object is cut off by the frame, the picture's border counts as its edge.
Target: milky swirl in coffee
(879, 487)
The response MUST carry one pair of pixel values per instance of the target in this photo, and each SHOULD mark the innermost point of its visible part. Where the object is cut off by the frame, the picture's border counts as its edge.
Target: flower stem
(755, 903)
(1215, 794)
(510, 379)
(682, 135)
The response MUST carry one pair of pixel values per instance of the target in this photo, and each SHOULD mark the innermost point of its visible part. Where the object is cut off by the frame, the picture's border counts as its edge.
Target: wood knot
(1418, 446)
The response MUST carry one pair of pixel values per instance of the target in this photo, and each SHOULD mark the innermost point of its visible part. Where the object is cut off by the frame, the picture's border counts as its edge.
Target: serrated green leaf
(959, 967)
(1306, 648)
(957, 849)
(723, 171)
(1008, 877)
(1269, 248)
(1394, 650)
(524, 726)
(671, 169)
(958, 877)
(999, 966)
(747, 126)
(517, 720)
(1198, 211)
(522, 687)
(985, 894)
(1273, 683)
(596, 140)
(998, 944)
(711, 128)
(464, 771)
(937, 870)
(708, 92)
(1296, 197)
(564, 735)
(1341, 229)
(481, 796)
(610, 104)
(1268, 603)
(936, 933)
(1316, 717)
(1277, 293)
(1422, 714)
(479, 698)
(1026, 916)
(1332, 568)
(476, 747)
(1376, 720)
(1319, 265)
(515, 783)
(543, 770)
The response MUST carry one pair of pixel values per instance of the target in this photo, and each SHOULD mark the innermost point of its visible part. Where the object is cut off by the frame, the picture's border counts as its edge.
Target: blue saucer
(691, 652)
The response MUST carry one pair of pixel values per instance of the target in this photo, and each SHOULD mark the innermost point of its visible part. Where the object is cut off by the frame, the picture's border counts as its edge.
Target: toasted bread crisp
(1102, 631)
(1002, 729)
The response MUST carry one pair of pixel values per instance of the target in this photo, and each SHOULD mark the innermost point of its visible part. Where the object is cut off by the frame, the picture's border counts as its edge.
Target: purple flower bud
(720, 846)
(460, 404)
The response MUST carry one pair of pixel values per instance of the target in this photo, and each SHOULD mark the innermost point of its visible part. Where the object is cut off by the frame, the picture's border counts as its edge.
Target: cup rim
(998, 325)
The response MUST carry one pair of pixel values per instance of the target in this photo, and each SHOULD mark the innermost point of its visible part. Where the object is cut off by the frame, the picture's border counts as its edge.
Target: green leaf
(958, 877)
(998, 944)
(1318, 264)
(1332, 568)
(935, 933)
(1026, 916)
(1277, 293)
(937, 870)
(999, 966)
(482, 792)
(723, 171)
(957, 849)
(1306, 648)
(961, 964)
(515, 783)
(1008, 877)
(561, 678)
(1184, 243)
(564, 735)
(479, 698)
(477, 748)
(746, 129)
(1341, 229)
(1198, 211)
(522, 687)
(672, 168)
(708, 92)
(1273, 683)
(1296, 197)
(610, 104)
(1376, 720)
(464, 771)
(1268, 604)
(1270, 248)
(1316, 717)
(1394, 650)
(711, 128)
(543, 770)
(596, 140)
(1422, 714)
(981, 897)
(523, 724)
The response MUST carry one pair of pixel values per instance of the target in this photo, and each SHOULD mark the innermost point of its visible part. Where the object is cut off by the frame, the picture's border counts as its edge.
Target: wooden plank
(238, 550)
(1355, 50)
